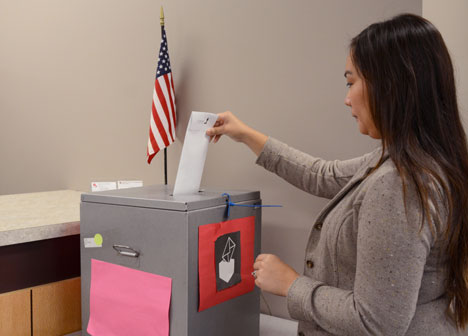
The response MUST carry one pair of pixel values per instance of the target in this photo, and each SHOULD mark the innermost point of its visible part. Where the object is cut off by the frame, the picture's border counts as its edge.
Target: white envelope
(192, 159)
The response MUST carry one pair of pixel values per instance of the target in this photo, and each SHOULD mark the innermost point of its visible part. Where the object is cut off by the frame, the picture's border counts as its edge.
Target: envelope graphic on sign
(226, 266)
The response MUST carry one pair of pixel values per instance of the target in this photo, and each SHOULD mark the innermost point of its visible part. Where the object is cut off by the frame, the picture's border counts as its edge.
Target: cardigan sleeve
(311, 174)
(391, 255)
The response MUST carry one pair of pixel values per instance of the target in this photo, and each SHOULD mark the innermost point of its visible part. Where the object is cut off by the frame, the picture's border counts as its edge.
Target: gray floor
(275, 326)
(269, 326)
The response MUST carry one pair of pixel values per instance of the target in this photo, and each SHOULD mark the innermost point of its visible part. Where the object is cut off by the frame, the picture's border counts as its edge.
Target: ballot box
(136, 242)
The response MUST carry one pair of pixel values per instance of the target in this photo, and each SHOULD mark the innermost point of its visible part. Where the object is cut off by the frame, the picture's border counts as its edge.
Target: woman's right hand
(228, 124)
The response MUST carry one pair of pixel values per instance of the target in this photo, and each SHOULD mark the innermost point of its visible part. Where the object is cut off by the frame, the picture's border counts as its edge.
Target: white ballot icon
(192, 159)
(226, 266)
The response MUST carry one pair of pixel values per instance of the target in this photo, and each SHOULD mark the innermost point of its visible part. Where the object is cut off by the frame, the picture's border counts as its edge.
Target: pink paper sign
(124, 301)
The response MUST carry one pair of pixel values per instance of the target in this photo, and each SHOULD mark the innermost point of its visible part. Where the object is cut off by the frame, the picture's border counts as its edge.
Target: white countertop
(37, 216)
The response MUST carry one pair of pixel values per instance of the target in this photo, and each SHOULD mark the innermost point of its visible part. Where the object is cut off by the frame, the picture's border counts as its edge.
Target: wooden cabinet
(56, 308)
(40, 263)
(51, 310)
(15, 313)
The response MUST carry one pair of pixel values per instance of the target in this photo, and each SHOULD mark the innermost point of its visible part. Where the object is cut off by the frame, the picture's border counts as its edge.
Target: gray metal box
(164, 229)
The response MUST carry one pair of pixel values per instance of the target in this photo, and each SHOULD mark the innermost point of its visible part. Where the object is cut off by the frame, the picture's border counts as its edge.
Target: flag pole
(165, 166)
(161, 17)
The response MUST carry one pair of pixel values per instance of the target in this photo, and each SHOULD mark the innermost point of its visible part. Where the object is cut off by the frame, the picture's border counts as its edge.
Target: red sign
(225, 260)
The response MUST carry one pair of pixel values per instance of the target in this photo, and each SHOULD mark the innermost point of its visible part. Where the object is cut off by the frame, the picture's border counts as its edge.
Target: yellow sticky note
(98, 239)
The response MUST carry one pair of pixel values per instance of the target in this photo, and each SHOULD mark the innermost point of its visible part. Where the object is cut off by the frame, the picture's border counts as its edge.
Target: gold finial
(162, 17)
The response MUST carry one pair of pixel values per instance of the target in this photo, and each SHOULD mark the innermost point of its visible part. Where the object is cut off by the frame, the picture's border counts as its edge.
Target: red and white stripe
(163, 117)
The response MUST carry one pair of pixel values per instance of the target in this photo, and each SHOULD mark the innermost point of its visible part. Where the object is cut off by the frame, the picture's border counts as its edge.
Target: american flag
(163, 116)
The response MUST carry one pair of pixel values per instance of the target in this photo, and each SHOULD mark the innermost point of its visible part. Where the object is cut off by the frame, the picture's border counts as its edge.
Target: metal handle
(126, 251)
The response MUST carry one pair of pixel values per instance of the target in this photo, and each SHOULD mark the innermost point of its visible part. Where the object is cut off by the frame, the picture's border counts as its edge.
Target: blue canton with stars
(164, 66)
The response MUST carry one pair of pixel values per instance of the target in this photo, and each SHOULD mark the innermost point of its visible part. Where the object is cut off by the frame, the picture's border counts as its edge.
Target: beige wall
(76, 82)
(450, 18)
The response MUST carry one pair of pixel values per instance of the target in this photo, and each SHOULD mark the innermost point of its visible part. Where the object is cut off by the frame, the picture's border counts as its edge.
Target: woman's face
(357, 99)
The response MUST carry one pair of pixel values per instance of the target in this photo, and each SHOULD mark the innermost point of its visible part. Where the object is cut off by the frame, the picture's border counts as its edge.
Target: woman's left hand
(273, 275)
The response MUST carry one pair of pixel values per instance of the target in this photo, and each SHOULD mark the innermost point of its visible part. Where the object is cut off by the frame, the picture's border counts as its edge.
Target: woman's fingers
(256, 265)
(216, 130)
(218, 122)
(273, 275)
(216, 138)
(228, 124)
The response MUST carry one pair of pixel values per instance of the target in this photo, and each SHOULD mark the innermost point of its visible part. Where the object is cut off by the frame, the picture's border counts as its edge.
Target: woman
(388, 255)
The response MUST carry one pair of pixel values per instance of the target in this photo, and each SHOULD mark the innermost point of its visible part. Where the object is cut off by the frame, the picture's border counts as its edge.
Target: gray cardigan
(368, 269)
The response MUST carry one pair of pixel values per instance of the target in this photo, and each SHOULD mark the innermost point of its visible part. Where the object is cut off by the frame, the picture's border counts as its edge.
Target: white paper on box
(129, 184)
(192, 159)
(102, 186)
(90, 242)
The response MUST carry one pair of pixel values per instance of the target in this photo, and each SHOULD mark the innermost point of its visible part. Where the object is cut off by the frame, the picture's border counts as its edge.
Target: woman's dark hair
(412, 98)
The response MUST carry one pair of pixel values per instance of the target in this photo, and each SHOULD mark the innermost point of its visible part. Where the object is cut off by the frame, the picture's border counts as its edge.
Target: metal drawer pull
(126, 251)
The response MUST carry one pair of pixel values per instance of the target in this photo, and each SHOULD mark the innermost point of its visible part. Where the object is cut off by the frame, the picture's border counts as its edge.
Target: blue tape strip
(229, 204)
